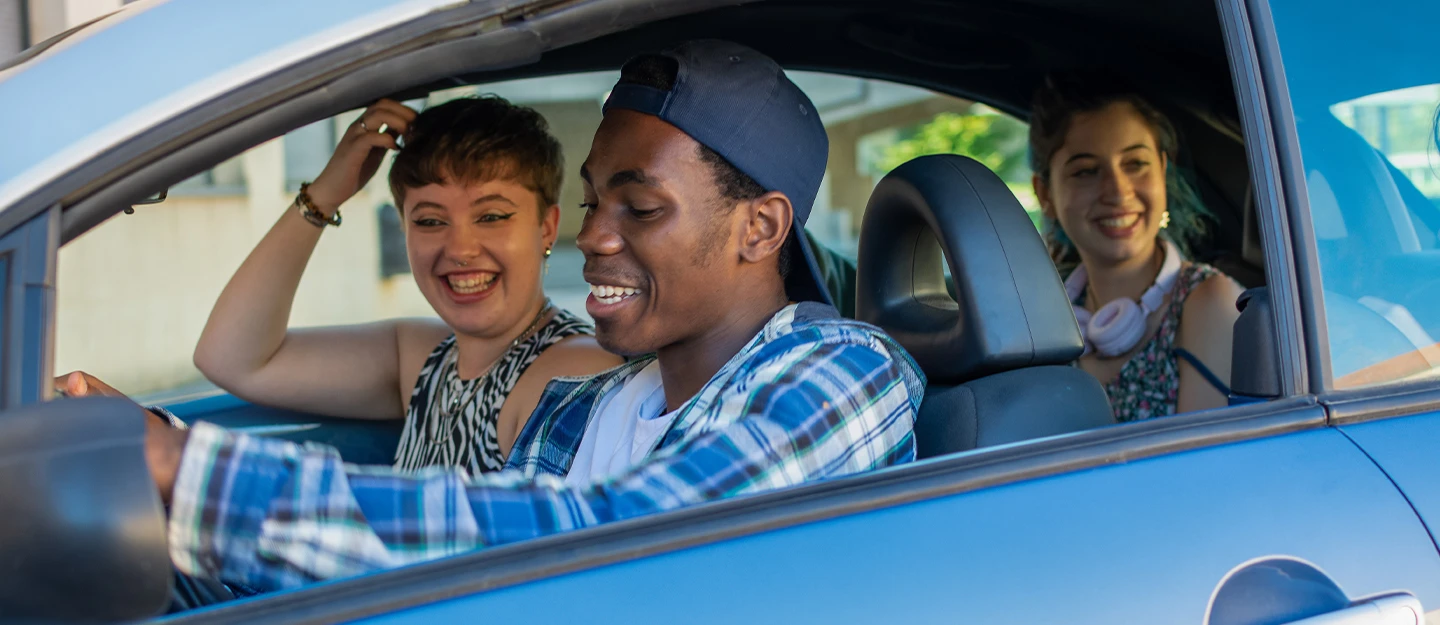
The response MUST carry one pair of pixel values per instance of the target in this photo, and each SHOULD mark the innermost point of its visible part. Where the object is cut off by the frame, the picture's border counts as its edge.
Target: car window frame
(280, 103)
(27, 278)
(1286, 234)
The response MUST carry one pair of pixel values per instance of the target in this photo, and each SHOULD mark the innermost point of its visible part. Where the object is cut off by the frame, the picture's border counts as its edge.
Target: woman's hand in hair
(358, 156)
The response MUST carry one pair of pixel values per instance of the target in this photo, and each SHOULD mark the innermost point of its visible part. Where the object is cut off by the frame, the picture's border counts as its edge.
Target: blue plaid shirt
(811, 397)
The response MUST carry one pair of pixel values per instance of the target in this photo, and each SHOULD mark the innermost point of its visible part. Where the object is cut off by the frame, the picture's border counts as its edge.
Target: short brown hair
(476, 139)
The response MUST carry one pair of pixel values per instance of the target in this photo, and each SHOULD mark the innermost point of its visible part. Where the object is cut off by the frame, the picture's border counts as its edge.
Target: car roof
(125, 72)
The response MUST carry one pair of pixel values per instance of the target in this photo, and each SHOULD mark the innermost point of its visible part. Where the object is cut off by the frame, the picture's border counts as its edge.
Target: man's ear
(768, 222)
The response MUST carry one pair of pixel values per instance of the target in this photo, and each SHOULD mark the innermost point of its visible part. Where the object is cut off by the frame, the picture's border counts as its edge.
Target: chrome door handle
(1396, 609)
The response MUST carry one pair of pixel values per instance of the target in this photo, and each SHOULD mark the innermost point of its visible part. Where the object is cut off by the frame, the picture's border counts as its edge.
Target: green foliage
(997, 141)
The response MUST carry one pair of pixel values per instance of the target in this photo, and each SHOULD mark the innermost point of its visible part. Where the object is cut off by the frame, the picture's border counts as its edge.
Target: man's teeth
(1123, 221)
(606, 294)
(466, 284)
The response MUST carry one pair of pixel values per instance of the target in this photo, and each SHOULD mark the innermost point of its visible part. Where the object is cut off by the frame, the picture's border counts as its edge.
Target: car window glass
(1365, 89)
(134, 293)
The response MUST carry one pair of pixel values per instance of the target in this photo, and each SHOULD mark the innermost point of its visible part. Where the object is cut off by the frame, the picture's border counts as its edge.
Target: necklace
(460, 388)
(534, 323)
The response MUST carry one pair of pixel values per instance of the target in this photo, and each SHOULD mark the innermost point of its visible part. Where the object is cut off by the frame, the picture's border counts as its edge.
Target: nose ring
(461, 263)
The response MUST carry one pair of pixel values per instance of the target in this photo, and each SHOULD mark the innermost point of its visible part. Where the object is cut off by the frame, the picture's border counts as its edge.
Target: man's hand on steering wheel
(164, 438)
(81, 384)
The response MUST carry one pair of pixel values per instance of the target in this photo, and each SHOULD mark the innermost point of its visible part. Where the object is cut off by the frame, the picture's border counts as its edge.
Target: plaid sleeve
(272, 514)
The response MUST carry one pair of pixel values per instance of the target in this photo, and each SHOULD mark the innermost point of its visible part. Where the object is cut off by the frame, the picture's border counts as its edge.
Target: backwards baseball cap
(740, 104)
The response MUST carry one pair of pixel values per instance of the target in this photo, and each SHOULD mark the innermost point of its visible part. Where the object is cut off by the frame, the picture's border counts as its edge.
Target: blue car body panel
(1146, 541)
(1408, 450)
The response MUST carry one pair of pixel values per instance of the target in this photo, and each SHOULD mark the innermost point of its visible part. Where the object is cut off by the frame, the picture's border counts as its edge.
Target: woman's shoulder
(577, 353)
(566, 323)
(1211, 294)
(421, 336)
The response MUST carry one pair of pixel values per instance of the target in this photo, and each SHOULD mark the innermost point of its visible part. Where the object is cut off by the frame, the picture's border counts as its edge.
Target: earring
(1164, 220)
(547, 261)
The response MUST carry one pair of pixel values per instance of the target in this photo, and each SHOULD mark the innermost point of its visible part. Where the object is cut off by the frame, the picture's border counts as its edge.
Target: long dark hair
(1056, 102)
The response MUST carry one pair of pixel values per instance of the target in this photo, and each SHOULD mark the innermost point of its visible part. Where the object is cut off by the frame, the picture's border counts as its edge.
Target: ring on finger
(363, 126)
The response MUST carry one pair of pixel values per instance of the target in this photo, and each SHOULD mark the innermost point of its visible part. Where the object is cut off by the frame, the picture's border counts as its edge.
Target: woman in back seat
(1119, 221)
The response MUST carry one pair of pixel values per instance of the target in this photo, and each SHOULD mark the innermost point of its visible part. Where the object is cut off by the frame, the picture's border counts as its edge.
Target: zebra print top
(451, 422)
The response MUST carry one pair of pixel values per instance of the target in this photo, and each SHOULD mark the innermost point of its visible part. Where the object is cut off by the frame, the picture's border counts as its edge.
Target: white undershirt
(628, 422)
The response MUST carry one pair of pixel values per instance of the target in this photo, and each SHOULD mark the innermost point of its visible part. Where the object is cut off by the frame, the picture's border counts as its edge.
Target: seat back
(997, 354)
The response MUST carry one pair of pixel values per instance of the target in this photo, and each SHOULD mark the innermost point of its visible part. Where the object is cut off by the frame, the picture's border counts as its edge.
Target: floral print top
(1149, 383)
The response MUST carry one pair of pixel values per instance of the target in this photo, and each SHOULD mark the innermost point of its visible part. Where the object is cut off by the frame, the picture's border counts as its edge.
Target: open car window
(133, 294)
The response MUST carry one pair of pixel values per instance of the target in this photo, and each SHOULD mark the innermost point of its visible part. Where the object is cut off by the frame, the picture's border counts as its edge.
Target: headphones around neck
(1118, 326)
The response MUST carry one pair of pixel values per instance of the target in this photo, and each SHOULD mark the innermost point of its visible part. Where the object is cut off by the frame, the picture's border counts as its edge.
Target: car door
(1262, 513)
(1256, 513)
(1364, 84)
(1146, 541)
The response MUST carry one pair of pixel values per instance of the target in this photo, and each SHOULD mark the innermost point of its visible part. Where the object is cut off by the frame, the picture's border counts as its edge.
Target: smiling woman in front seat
(1157, 326)
(477, 183)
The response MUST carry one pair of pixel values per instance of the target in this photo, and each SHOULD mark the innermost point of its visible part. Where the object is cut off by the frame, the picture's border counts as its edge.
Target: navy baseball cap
(740, 104)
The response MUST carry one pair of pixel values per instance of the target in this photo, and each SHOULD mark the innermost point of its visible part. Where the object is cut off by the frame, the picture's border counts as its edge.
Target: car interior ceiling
(995, 52)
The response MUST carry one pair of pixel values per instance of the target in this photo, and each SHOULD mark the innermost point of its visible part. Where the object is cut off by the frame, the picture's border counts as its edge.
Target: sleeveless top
(452, 422)
(1148, 385)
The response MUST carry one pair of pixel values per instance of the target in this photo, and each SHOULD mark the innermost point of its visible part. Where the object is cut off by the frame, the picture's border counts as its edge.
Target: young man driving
(699, 180)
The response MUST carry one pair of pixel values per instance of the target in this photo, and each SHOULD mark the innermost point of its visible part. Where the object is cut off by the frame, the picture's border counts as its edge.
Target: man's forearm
(164, 445)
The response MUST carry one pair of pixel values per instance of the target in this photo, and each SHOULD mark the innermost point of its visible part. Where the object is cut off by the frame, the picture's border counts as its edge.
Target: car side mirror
(83, 536)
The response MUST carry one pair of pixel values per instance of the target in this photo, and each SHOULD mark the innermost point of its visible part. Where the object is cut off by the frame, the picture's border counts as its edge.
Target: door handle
(1396, 609)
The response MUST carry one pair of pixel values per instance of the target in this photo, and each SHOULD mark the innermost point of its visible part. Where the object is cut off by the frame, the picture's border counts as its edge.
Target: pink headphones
(1119, 325)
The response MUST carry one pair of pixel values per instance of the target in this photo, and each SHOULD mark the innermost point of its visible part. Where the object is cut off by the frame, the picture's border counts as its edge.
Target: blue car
(1310, 127)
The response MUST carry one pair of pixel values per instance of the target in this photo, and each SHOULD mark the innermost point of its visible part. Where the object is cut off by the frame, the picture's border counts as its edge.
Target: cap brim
(805, 282)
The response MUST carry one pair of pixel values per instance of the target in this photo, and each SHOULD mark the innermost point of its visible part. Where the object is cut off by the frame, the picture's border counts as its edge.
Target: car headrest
(1009, 310)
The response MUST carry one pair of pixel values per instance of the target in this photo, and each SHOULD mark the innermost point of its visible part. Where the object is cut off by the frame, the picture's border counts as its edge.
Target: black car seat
(997, 354)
